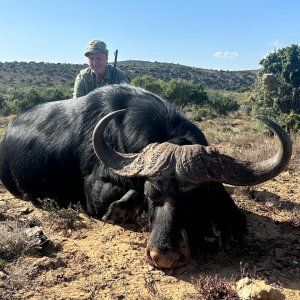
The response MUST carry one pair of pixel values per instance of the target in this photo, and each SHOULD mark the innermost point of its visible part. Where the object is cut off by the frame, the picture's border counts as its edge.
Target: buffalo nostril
(165, 259)
(153, 257)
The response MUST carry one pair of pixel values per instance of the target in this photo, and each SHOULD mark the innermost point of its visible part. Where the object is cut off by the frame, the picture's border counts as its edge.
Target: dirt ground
(95, 260)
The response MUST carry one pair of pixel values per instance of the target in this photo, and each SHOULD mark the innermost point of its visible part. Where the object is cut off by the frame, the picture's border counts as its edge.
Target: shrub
(221, 103)
(291, 122)
(15, 240)
(215, 288)
(16, 101)
(65, 218)
(182, 92)
(150, 84)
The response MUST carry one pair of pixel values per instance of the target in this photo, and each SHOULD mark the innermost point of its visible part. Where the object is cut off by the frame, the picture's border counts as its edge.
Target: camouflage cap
(95, 46)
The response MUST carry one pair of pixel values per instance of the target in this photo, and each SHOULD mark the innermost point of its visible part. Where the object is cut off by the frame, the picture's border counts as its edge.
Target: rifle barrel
(114, 69)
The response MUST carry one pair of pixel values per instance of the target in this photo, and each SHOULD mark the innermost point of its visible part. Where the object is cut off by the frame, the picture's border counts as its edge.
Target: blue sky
(219, 35)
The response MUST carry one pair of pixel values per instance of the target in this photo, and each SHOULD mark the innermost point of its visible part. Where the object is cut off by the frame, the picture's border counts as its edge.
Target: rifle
(114, 69)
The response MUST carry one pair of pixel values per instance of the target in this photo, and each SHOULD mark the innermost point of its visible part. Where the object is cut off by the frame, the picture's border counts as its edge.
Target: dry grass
(295, 162)
(62, 218)
(214, 288)
(240, 138)
(16, 240)
(15, 280)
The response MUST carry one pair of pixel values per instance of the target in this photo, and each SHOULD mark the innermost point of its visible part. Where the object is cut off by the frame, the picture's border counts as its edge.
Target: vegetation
(66, 218)
(18, 100)
(151, 84)
(190, 96)
(214, 288)
(178, 91)
(182, 92)
(15, 240)
(221, 103)
(24, 85)
(277, 88)
(22, 74)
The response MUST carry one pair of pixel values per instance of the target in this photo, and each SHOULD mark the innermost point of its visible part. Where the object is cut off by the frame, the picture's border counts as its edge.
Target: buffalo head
(178, 175)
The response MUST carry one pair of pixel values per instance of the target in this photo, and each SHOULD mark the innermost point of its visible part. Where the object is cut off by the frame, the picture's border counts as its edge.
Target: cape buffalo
(120, 148)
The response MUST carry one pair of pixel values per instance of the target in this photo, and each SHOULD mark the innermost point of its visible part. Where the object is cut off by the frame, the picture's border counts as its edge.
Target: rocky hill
(16, 74)
(222, 80)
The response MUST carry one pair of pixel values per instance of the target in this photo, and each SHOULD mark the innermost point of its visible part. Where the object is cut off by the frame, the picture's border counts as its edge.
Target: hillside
(17, 74)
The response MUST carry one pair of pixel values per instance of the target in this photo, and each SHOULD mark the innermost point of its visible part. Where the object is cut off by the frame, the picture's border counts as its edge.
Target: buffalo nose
(166, 259)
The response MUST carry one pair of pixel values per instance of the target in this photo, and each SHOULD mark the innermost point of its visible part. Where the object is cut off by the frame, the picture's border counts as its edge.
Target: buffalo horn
(110, 158)
(192, 163)
(200, 164)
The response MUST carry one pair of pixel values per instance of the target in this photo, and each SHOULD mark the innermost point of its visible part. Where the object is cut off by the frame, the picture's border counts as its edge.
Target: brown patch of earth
(96, 260)
(104, 261)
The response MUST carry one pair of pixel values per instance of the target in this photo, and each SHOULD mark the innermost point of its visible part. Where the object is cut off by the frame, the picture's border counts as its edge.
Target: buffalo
(121, 151)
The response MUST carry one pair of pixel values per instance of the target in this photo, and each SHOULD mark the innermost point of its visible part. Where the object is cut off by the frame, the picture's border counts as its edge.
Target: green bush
(182, 92)
(291, 122)
(277, 87)
(150, 84)
(221, 103)
(18, 100)
(178, 91)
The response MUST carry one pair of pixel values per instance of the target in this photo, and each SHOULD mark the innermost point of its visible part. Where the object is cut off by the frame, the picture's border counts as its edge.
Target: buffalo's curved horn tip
(237, 172)
(199, 164)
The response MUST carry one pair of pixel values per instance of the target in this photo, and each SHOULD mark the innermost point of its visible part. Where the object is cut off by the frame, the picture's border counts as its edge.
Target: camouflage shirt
(85, 81)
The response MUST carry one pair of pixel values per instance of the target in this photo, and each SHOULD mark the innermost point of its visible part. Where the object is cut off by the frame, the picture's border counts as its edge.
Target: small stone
(250, 289)
(36, 235)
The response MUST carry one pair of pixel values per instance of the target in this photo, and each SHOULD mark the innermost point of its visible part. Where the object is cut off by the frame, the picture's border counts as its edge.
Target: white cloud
(226, 54)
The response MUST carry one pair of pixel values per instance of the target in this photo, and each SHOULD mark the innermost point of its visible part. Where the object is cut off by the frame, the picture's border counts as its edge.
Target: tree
(277, 87)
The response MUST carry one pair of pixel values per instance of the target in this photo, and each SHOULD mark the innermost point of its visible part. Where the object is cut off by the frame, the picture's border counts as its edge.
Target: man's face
(98, 62)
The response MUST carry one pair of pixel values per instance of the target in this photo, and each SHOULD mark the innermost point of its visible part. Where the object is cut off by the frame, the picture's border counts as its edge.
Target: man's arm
(79, 89)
